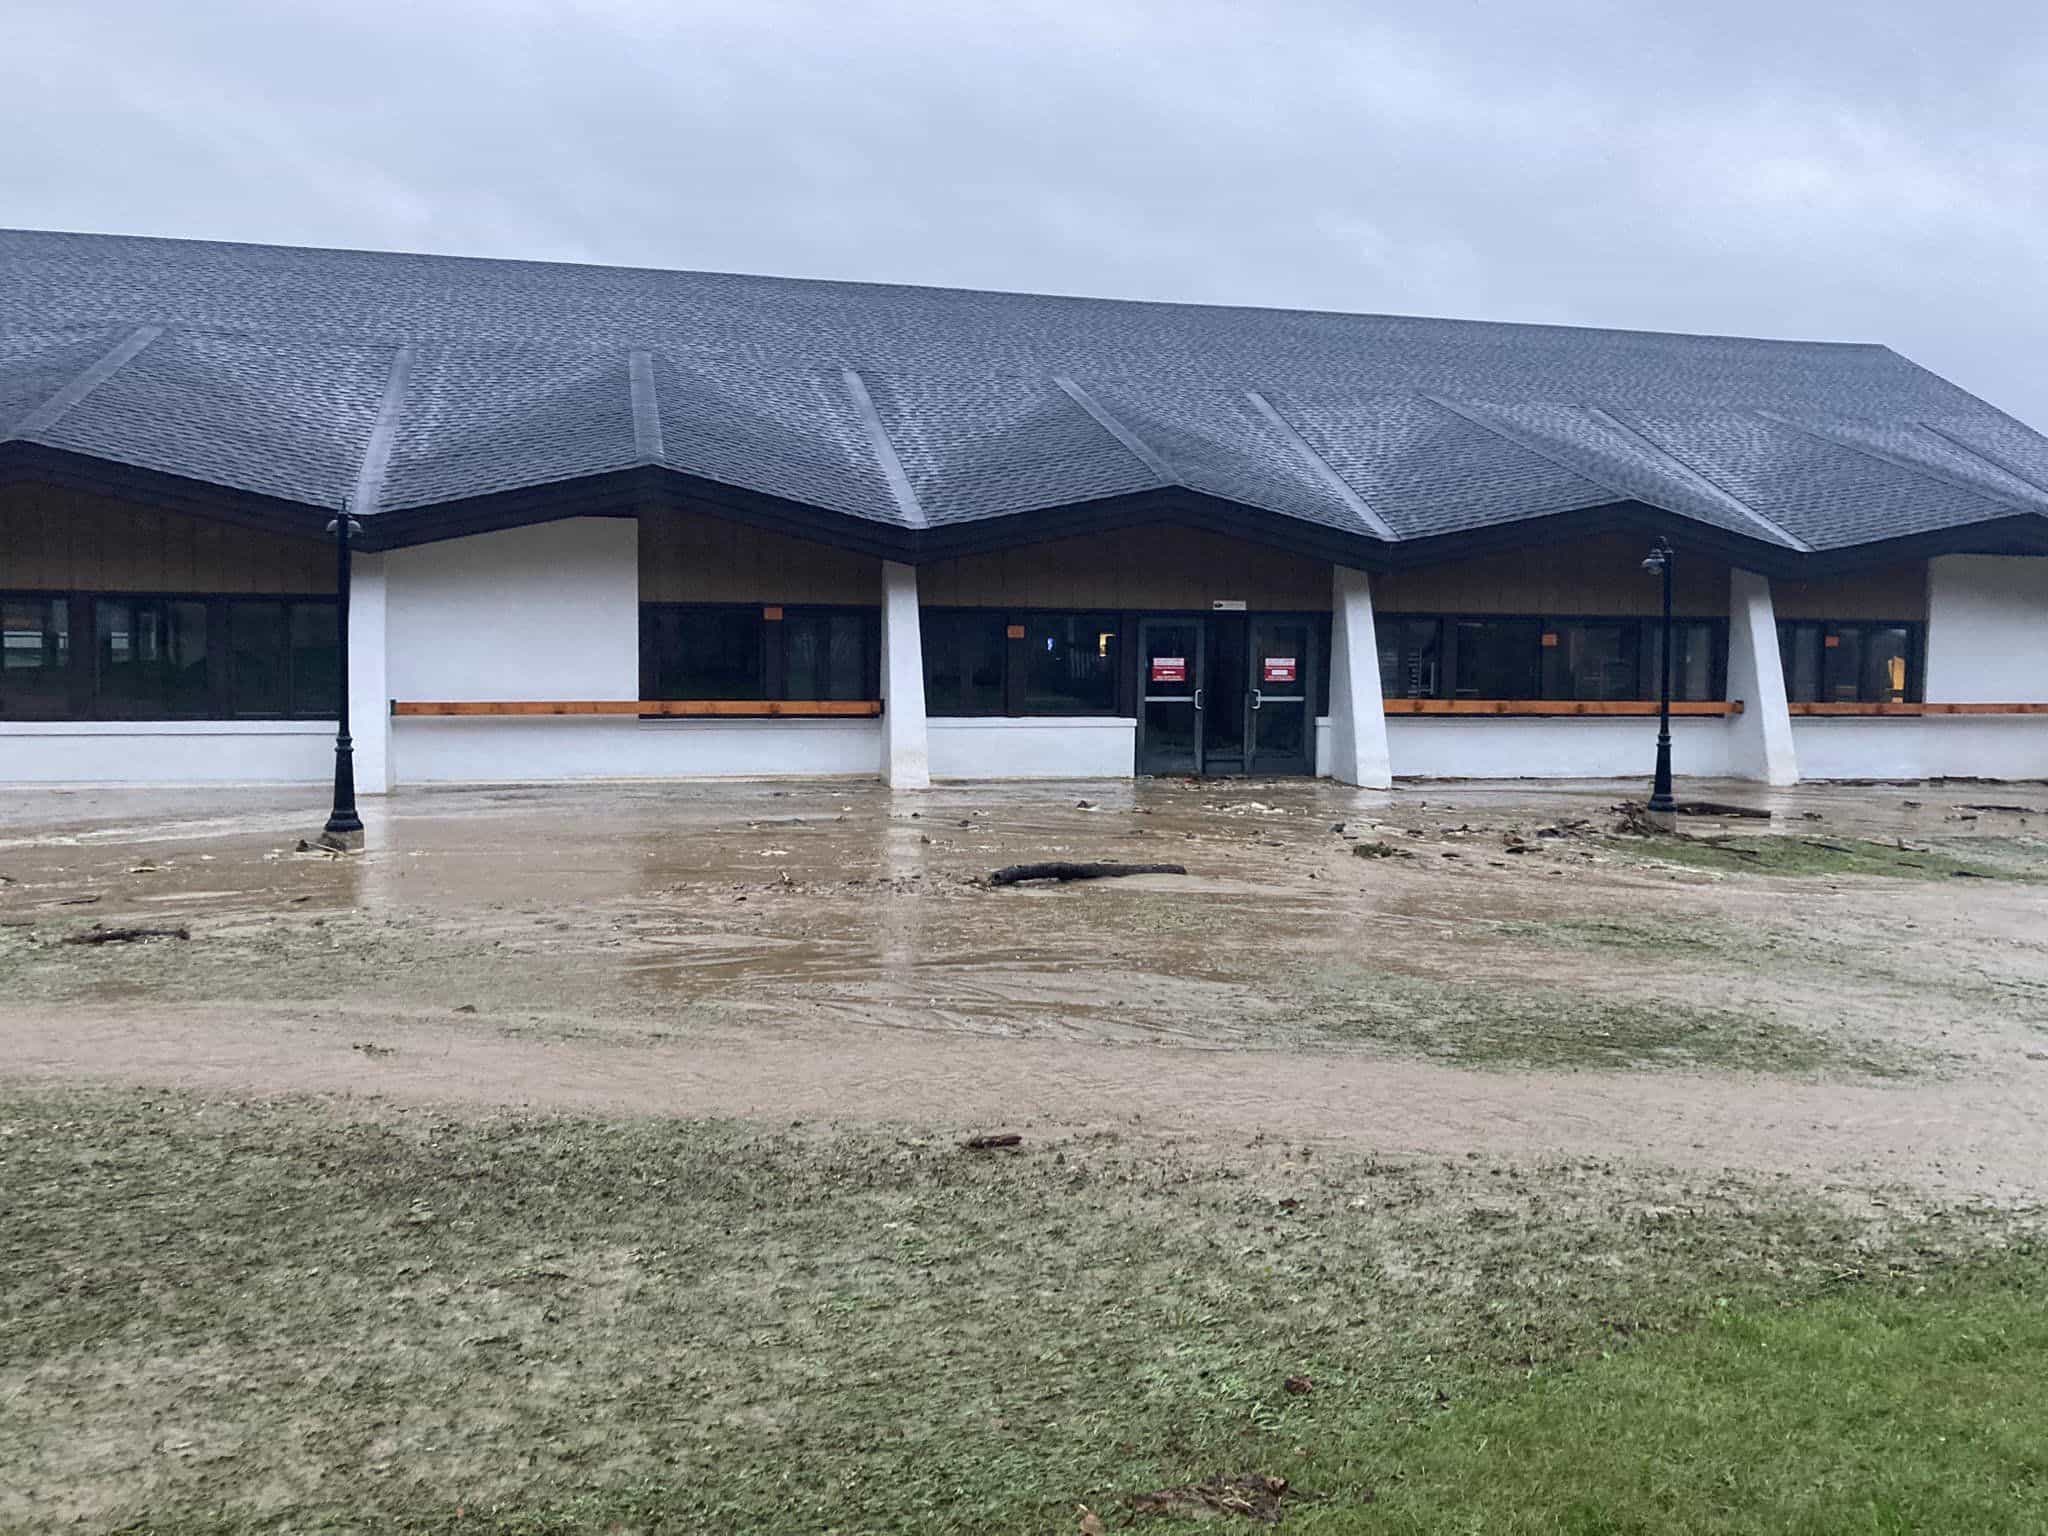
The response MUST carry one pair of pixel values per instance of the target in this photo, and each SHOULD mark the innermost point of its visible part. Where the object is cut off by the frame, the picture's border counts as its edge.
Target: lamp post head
(1658, 557)
(355, 525)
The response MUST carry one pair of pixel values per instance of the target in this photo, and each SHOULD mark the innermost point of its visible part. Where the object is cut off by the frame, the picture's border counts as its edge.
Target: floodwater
(828, 950)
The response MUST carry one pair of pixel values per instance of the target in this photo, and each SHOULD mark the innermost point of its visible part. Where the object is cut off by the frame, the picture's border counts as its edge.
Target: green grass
(1651, 935)
(1481, 1025)
(262, 1317)
(1819, 856)
(1862, 1413)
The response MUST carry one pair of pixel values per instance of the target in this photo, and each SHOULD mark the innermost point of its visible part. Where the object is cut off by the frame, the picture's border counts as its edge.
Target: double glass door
(1225, 694)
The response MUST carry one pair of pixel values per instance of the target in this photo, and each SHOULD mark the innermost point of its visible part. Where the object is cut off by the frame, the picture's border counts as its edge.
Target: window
(259, 665)
(1423, 656)
(35, 656)
(965, 662)
(153, 660)
(731, 651)
(985, 661)
(1591, 659)
(698, 652)
(1696, 656)
(316, 660)
(1070, 665)
(1499, 658)
(125, 656)
(282, 658)
(1849, 663)
(1410, 657)
(825, 656)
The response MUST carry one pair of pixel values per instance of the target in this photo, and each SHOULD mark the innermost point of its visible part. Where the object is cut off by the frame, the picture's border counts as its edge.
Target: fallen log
(126, 935)
(1721, 808)
(996, 1143)
(1013, 874)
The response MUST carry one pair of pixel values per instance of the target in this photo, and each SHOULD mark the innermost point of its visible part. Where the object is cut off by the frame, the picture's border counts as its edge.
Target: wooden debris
(1014, 874)
(126, 935)
(1721, 808)
(1257, 1499)
(994, 1143)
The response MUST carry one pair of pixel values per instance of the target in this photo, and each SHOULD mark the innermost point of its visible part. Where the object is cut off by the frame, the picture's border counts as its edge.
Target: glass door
(1281, 736)
(1170, 692)
(1226, 696)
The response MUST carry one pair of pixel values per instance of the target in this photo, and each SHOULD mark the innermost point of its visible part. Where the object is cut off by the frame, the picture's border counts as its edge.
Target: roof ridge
(1324, 470)
(647, 441)
(1995, 460)
(1685, 470)
(88, 379)
(1495, 429)
(900, 487)
(1895, 461)
(1133, 444)
(375, 465)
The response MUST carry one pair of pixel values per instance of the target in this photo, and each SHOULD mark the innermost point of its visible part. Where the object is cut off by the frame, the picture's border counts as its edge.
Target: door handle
(1198, 698)
(1257, 698)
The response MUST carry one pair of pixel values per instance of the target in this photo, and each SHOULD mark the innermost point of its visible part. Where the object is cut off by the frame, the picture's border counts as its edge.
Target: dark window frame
(1120, 622)
(81, 669)
(1641, 643)
(1916, 656)
(770, 655)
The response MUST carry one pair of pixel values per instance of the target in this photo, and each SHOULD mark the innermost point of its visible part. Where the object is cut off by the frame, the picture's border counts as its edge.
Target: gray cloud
(1873, 171)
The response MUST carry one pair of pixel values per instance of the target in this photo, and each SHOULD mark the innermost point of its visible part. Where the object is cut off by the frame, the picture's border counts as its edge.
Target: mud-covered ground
(593, 1160)
(1855, 989)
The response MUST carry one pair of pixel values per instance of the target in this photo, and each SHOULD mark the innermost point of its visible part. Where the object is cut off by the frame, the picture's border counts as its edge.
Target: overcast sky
(1871, 171)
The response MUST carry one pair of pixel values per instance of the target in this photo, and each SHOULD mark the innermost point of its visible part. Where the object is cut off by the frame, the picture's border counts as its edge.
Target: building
(647, 524)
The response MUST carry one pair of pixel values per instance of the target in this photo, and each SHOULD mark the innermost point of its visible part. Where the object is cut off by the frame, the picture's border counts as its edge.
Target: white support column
(906, 751)
(1762, 746)
(369, 674)
(1358, 715)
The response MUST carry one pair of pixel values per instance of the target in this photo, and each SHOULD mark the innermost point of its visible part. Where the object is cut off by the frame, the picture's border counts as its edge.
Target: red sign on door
(1169, 669)
(1277, 669)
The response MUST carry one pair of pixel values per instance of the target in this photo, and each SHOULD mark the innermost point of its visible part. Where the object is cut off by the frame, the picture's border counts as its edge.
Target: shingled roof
(427, 387)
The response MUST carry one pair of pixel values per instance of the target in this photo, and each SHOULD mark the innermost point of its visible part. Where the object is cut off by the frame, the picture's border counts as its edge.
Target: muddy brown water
(826, 951)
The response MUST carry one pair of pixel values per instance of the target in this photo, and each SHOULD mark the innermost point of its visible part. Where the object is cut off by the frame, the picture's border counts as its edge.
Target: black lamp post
(1660, 561)
(343, 818)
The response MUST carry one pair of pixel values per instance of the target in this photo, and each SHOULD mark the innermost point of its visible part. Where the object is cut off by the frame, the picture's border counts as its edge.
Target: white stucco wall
(1860, 747)
(1577, 747)
(1937, 746)
(458, 750)
(1987, 629)
(547, 612)
(1987, 746)
(1040, 747)
(167, 752)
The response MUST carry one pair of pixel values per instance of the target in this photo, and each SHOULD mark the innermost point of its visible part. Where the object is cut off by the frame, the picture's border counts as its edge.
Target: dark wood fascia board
(2023, 533)
(1635, 517)
(629, 491)
(35, 463)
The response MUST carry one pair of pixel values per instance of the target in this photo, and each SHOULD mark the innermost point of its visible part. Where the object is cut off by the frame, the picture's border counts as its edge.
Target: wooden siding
(689, 558)
(1887, 592)
(53, 539)
(1152, 567)
(1602, 575)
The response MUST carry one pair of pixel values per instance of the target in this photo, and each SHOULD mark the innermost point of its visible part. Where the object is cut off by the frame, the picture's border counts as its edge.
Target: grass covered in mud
(1480, 1025)
(264, 1316)
(1822, 856)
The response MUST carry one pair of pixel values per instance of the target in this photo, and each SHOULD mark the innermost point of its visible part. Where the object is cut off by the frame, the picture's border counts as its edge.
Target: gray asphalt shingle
(272, 363)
